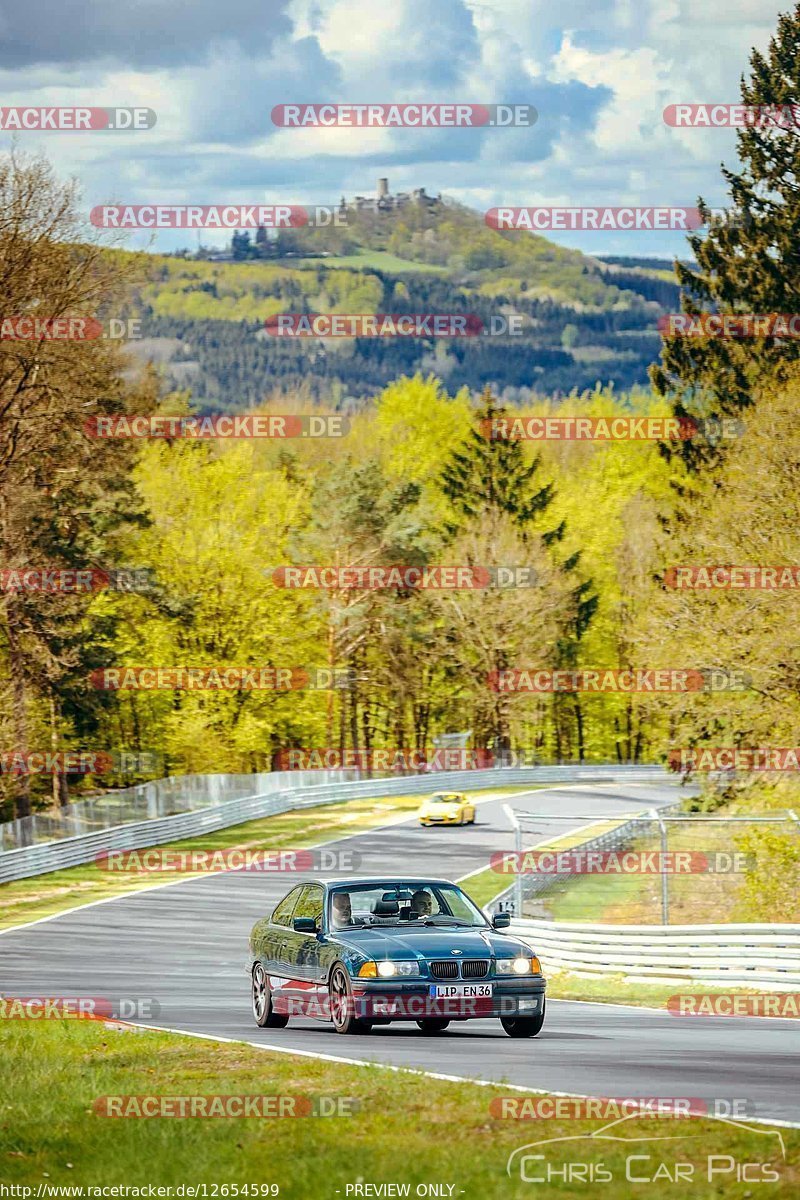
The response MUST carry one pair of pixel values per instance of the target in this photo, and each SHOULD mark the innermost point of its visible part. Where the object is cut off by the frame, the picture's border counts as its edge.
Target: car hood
(430, 942)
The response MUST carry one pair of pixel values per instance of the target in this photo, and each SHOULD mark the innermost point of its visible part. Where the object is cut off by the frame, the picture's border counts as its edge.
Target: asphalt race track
(185, 945)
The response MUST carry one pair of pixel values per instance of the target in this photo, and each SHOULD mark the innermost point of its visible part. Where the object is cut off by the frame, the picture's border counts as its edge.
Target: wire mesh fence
(152, 801)
(660, 866)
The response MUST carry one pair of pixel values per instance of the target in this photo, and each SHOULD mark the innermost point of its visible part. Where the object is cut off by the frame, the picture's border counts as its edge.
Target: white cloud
(600, 72)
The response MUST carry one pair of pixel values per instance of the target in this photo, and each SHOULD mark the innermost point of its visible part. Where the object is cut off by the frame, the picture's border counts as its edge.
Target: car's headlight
(518, 966)
(387, 969)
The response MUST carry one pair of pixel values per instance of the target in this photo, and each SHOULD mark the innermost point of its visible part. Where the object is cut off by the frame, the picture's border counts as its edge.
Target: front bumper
(440, 820)
(406, 1001)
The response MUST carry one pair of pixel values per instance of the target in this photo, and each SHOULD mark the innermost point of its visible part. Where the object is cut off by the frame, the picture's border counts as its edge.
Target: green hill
(582, 320)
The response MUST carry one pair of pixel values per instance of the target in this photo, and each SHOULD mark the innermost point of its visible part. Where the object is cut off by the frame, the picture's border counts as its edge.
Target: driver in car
(341, 910)
(421, 904)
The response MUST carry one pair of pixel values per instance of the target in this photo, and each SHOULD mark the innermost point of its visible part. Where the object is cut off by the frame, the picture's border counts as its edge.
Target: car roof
(365, 880)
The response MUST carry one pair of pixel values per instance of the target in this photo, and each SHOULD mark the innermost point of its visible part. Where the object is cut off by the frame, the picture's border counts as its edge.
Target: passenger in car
(421, 904)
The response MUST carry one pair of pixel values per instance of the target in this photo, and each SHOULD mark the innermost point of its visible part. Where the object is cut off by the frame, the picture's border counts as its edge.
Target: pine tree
(748, 262)
(492, 473)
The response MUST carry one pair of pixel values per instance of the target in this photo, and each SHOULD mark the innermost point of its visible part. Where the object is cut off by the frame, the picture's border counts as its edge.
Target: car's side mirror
(501, 920)
(304, 925)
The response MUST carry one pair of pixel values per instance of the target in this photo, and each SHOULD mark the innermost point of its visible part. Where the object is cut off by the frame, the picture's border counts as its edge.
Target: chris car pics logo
(661, 1158)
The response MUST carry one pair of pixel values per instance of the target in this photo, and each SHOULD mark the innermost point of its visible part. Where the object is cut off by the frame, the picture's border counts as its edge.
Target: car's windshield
(444, 800)
(404, 904)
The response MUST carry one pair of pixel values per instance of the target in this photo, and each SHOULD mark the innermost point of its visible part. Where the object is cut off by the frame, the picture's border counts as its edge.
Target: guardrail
(150, 801)
(289, 790)
(757, 956)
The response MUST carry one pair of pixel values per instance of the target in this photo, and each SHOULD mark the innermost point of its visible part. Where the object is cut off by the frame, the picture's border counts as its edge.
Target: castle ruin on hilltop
(385, 202)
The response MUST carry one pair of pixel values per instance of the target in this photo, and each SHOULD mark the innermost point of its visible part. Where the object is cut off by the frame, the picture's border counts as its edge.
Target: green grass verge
(407, 1130)
(612, 989)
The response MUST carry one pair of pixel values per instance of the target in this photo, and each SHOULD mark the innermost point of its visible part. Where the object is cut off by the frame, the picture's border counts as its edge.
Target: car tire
(523, 1027)
(341, 1002)
(431, 1025)
(263, 1012)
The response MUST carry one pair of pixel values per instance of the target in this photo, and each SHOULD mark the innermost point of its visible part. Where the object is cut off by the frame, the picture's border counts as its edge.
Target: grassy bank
(407, 1129)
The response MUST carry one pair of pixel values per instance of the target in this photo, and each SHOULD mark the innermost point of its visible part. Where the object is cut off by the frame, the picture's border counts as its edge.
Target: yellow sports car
(447, 808)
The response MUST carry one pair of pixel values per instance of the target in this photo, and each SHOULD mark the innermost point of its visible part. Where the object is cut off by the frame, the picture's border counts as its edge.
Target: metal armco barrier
(290, 790)
(757, 956)
(149, 801)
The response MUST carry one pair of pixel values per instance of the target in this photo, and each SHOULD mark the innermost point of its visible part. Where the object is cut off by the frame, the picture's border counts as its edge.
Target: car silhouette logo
(603, 1134)
(455, 951)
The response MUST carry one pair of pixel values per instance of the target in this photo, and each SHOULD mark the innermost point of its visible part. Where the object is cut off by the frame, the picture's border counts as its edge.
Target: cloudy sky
(600, 73)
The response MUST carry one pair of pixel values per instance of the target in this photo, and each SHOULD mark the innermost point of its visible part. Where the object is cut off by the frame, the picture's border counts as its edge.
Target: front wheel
(265, 1016)
(523, 1027)
(342, 1004)
(433, 1024)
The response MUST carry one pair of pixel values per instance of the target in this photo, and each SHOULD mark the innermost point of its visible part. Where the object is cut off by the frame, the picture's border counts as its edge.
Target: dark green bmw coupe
(364, 952)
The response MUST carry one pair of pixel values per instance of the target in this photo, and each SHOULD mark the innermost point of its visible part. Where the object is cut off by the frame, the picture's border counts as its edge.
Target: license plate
(441, 991)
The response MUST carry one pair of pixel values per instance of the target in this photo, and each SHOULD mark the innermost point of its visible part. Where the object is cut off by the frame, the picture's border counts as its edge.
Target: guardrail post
(515, 825)
(664, 878)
